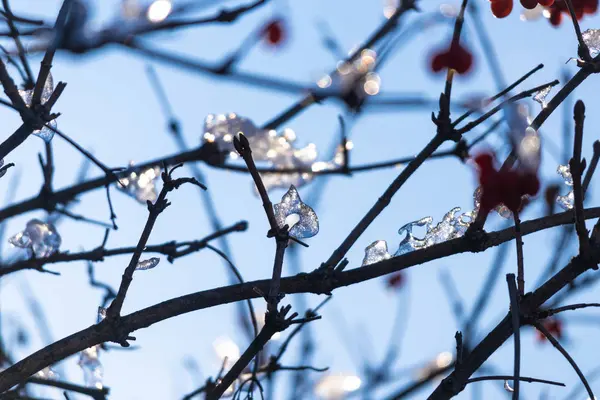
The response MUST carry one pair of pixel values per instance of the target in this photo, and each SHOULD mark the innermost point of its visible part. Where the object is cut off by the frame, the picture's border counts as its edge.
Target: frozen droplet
(27, 95)
(140, 184)
(501, 209)
(591, 37)
(336, 387)
(89, 362)
(47, 373)
(291, 203)
(147, 264)
(375, 252)
(507, 387)
(101, 314)
(540, 96)
(533, 14)
(567, 201)
(39, 238)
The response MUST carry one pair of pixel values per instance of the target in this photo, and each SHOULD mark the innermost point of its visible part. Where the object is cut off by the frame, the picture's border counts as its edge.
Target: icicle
(39, 238)
(291, 203)
(47, 373)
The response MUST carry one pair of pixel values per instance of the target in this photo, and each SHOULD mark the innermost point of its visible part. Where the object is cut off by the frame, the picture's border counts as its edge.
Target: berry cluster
(581, 8)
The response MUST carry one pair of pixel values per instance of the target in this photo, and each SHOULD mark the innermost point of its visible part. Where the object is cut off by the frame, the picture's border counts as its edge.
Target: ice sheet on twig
(147, 264)
(591, 37)
(27, 95)
(375, 252)
(140, 183)
(567, 201)
(91, 366)
(39, 238)
(291, 204)
(540, 96)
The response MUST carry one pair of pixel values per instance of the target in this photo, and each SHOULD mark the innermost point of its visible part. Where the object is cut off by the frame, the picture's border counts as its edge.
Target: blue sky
(109, 107)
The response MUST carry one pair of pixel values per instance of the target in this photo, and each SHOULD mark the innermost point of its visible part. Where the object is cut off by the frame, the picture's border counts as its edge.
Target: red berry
(502, 8)
(529, 4)
(395, 281)
(456, 57)
(546, 3)
(590, 6)
(555, 17)
(274, 32)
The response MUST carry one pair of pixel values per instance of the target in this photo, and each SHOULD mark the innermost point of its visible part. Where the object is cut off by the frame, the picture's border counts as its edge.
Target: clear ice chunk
(101, 314)
(567, 201)
(27, 95)
(47, 373)
(308, 222)
(140, 184)
(40, 239)
(410, 242)
(591, 37)
(540, 96)
(147, 264)
(89, 362)
(375, 252)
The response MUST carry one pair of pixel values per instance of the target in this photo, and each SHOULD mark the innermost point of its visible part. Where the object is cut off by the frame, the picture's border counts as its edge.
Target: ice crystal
(291, 204)
(39, 238)
(89, 362)
(375, 252)
(147, 264)
(450, 227)
(47, 373)
(540, 96)
(276, 149)
(101, 314)
(591, 37)
(27, 96)
(567, 201)
(140, 184)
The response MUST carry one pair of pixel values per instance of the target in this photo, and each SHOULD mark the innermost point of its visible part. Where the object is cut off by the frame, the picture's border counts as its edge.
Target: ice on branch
(92, 368)
(147, 264)
(567, 201)
(1, 165)
(27, 96)
(507, 387)
(450, 227)
(336, 387)
(540, 96)
(40, 239)
(591, 38)
(278, 150)
(301, 219)
(375, 252)
(47, 373)
(101, 314)
(140, 184)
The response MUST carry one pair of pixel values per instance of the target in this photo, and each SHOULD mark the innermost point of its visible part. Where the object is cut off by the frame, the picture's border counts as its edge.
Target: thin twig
(557, 345)
(516, 325)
